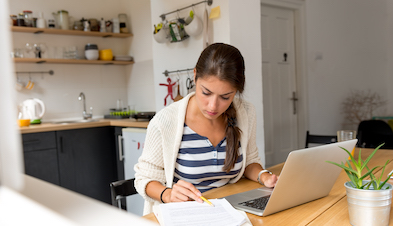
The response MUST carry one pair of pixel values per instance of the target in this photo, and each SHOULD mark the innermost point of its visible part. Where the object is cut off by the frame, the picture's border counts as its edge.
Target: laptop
(306, 176)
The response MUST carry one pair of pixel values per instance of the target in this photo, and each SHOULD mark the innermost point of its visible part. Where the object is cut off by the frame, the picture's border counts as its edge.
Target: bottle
(41, 23)
(102, 25)
(116, 25)
(123, 23)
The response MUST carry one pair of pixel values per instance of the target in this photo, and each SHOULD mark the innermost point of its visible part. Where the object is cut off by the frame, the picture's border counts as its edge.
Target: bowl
(194, 28)
(106, 54)
(161, 36)
(91, 54)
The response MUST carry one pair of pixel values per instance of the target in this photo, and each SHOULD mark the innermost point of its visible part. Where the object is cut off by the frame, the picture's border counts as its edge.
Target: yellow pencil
(207, 201)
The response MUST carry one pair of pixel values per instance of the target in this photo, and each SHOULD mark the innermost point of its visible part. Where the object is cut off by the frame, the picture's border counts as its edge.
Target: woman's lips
(211, 113)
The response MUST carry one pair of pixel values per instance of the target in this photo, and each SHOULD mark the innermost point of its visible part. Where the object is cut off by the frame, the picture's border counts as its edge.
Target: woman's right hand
(183, 191)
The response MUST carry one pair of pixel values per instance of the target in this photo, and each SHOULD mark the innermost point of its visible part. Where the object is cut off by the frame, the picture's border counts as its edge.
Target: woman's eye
(205, 93)
(225, 98)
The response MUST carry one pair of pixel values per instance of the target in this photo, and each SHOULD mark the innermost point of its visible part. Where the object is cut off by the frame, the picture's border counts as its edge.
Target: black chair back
(372, 133)
(121, 189)
(319, 139)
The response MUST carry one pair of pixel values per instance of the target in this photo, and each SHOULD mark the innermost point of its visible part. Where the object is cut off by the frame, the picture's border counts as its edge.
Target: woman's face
(213, 96)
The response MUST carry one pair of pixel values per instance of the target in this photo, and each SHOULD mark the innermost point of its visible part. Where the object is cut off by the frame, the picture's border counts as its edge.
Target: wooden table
(329, 210)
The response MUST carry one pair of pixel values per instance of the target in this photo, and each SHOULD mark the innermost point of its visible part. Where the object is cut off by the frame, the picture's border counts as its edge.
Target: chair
(319, 139)
(121, 189)
(372, 133)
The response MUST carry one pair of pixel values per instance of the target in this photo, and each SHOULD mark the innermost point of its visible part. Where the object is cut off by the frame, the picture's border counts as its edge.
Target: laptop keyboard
(258, 203)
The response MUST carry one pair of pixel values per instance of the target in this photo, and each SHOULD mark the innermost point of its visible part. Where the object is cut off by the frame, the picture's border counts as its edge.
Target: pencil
(207, 201)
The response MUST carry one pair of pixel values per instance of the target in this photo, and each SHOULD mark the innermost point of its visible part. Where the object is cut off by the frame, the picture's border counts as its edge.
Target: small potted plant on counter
(369, 201)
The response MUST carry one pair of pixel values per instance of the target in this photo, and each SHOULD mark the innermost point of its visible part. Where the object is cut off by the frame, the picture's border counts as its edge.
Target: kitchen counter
(46, 126)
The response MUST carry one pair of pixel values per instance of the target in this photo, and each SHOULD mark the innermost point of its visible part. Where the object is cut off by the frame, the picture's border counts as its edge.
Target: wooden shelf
(35, 30)
(70, 61)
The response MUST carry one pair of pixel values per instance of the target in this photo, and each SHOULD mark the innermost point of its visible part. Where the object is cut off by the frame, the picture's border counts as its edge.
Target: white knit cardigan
(164, 134)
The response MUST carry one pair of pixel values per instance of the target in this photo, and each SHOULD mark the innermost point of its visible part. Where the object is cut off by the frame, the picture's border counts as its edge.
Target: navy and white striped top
(199, 163)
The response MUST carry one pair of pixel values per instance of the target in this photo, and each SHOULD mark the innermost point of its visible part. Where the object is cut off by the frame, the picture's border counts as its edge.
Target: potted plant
(369, 201)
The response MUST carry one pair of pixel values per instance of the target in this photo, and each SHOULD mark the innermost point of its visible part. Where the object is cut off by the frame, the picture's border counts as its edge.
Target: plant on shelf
(369, 201)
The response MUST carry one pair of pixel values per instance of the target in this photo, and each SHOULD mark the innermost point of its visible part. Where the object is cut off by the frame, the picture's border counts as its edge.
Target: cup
(70, 52)
(29, 85)
(343, 135)
(106, 54)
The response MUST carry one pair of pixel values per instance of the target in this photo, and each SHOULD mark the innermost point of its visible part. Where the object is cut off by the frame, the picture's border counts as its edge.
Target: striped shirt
(201, 164)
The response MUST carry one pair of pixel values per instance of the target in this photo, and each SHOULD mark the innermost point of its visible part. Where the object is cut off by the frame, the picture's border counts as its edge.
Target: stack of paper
(194, 213)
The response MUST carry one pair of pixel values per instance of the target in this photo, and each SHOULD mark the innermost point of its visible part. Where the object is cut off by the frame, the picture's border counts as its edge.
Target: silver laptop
(306, 176)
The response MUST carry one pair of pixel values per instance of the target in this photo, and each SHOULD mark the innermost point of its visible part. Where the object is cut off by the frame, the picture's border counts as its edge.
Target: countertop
(47, 126)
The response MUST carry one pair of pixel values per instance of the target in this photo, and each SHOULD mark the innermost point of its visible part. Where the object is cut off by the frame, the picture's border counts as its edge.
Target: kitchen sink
(75, 121)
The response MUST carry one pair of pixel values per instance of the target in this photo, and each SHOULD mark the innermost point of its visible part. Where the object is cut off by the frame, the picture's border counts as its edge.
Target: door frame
(298, 8)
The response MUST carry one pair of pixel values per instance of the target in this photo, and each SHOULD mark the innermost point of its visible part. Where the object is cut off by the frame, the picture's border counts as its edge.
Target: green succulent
(355, 172)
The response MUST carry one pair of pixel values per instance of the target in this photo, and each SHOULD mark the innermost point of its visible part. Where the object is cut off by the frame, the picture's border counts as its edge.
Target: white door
(279, 83)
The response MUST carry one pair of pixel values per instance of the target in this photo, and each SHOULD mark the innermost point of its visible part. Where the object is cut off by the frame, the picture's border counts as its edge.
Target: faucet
(85, 114)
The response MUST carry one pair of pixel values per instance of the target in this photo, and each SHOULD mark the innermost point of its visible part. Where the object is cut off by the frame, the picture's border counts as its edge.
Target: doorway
(283, 104)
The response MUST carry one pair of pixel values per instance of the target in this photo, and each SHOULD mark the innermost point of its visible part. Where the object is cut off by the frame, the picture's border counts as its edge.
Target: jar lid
(90, 46)
(62, 11)
(27, 11)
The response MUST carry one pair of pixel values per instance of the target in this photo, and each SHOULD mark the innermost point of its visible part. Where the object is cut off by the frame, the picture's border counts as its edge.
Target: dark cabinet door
(40, 156)
(87, 161)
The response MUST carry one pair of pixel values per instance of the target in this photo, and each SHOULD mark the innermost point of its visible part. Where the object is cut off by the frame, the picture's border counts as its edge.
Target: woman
(205, 140)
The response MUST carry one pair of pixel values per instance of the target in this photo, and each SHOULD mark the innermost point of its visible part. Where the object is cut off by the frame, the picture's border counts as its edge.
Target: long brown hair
(227, 64)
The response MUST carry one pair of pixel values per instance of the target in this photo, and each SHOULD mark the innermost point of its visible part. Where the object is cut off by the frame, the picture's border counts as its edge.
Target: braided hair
(227, 64)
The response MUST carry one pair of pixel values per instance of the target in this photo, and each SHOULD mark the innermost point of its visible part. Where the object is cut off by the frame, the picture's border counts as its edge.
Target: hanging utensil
(178, 97)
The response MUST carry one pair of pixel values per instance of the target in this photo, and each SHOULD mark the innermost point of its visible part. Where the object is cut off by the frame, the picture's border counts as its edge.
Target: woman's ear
(194, 74)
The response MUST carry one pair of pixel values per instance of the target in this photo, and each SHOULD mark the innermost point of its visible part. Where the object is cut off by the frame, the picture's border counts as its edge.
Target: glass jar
(51, 23)
(123, 23)
(14, 19)
(20, 21)
(78, 25)
(28, 15)
(63, 19)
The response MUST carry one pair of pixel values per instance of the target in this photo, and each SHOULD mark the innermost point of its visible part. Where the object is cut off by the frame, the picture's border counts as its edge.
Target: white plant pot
(369, 207)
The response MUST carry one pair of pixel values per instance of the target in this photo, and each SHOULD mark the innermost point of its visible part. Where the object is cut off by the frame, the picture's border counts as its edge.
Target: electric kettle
(34, 109)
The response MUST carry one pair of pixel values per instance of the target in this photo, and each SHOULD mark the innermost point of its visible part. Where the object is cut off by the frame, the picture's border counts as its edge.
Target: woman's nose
(213, 103)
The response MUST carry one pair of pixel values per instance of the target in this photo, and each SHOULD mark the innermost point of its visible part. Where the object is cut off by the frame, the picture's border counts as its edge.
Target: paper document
(194, 213)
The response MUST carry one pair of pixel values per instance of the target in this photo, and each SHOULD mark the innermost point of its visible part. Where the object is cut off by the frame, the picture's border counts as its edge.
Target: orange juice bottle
(23, 119)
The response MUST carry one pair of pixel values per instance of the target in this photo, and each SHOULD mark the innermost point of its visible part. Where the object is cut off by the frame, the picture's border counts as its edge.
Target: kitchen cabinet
(40, 156)
(82, 160)
(70, 32)
(87, 161)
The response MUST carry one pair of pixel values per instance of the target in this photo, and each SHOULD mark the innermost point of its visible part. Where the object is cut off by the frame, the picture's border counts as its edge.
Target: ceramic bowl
(91, 54)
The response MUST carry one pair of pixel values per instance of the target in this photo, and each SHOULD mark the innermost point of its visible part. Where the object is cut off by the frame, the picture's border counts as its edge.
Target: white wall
(139, 77)
(102, 84)
(351, 37)
(232, 27)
